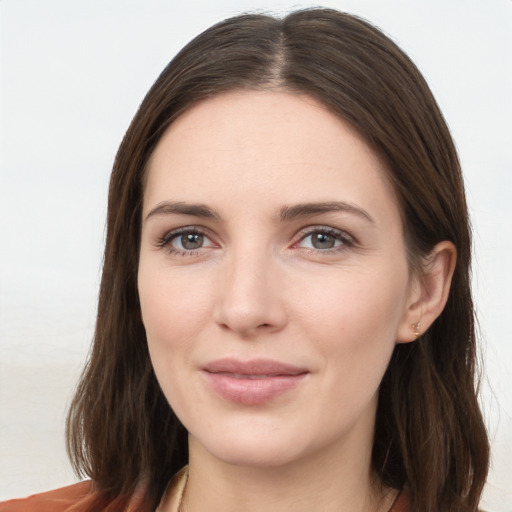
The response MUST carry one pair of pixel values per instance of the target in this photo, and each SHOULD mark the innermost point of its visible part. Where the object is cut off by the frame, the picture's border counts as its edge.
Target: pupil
(192, 241)
(323, 241)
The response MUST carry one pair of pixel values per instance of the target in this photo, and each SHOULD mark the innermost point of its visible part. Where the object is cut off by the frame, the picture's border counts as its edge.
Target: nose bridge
(249, 297)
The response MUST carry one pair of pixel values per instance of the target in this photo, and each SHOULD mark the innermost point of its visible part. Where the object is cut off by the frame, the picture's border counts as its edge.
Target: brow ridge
(183, 208)
(288, 213)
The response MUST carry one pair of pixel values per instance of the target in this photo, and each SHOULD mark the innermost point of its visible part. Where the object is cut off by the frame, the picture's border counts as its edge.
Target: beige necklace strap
(182, 494)
(173, 496)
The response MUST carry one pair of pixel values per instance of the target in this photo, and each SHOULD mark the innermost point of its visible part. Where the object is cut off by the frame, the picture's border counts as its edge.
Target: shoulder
(57, 500)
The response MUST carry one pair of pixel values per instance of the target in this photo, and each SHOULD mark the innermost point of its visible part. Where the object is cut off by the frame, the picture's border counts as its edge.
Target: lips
(252, 382)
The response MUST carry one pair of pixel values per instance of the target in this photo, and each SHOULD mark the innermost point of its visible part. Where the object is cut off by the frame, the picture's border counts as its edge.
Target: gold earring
(416, 328)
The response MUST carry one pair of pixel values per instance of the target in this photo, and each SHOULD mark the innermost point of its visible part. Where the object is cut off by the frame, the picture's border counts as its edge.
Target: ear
(428, 292)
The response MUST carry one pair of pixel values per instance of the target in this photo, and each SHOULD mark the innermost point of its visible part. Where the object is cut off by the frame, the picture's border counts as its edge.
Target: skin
(255, 284)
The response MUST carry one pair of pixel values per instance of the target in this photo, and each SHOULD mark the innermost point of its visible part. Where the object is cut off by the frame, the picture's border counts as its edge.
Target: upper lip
(253, 367)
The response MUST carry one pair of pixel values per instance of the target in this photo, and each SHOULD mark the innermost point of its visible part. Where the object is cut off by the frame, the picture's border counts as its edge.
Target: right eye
(185, 241)
(188, 241)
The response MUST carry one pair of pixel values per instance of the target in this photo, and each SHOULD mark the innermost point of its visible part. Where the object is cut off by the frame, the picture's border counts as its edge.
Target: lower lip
(252, 391)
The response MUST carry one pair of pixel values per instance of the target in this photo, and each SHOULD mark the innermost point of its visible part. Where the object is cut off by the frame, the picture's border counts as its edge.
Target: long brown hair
(429, 433)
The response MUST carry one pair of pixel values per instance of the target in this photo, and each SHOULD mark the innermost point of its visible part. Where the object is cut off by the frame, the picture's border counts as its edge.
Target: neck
(330, 481)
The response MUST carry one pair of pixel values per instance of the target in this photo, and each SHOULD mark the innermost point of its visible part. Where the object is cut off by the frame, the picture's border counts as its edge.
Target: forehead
(281, 146)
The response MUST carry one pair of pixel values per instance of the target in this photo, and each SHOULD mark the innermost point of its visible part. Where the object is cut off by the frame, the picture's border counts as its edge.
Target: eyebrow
(288, 213)
(182, 208)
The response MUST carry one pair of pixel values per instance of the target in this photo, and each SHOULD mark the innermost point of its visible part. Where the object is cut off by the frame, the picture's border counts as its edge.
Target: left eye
(322, 240)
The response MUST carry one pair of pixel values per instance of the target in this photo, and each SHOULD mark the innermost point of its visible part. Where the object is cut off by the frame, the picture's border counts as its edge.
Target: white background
(72, 76)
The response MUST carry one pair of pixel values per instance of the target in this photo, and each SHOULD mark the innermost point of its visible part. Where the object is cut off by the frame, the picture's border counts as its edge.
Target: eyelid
(346, 239)
(168, 237)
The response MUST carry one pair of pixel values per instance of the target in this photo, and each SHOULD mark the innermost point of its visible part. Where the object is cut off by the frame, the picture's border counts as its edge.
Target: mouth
(249, 376)
(252, 382)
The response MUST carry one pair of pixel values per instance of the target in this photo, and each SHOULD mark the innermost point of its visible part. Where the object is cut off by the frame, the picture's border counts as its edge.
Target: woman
(285, 309)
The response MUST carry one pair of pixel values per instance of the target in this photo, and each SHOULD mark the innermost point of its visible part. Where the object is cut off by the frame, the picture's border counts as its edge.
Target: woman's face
(273, 278)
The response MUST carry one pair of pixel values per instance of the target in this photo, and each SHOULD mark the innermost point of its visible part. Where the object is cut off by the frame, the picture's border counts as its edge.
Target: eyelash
(167, 239)
(346, 240)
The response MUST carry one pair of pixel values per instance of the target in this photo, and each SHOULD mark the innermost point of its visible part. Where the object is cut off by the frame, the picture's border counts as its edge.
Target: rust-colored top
(67, 499)
(58, 500)
(401, 504)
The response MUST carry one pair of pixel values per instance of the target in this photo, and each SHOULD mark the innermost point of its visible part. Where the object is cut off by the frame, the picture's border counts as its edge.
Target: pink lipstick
(252, 382)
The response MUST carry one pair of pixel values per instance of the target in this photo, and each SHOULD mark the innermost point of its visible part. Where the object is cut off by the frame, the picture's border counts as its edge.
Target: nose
(251, 300)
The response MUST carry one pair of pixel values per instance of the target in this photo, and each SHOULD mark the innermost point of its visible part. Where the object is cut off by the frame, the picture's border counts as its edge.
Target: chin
(251, 448)
(255, 456)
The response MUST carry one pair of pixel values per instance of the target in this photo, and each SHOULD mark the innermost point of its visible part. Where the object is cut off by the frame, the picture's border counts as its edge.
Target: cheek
(177, 305)
(354, 302)
(173, 305)
(174, 311)
(355, 322)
